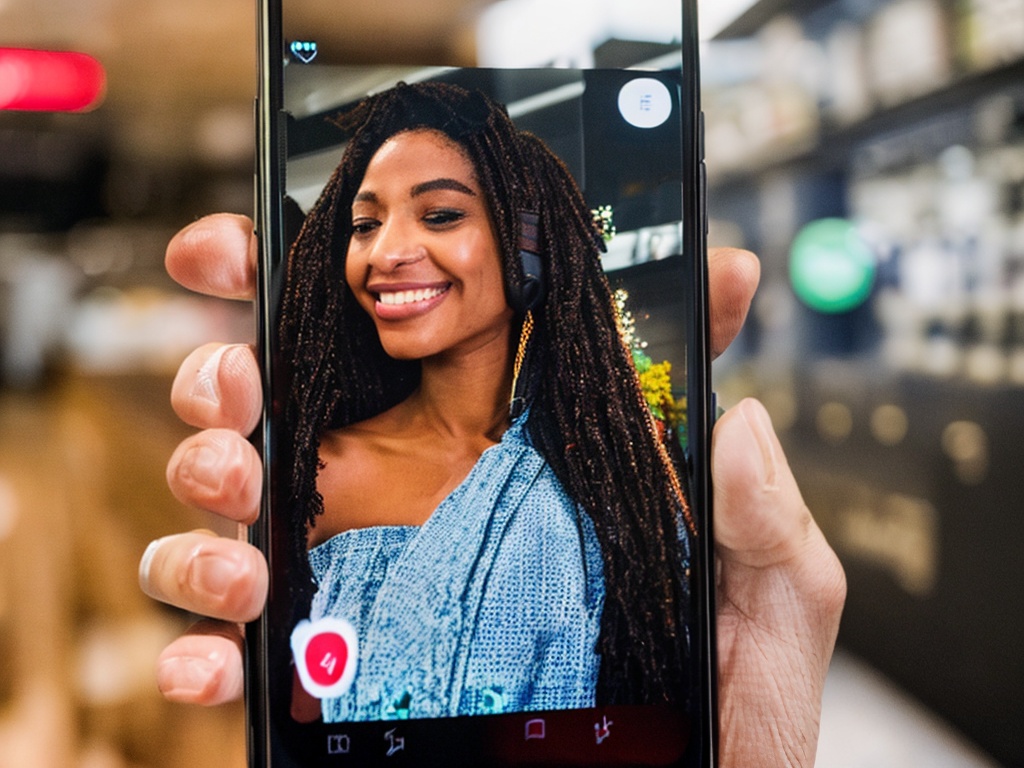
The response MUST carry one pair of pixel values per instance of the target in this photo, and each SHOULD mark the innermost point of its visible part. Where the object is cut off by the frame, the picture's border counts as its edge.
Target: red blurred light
(50, 81)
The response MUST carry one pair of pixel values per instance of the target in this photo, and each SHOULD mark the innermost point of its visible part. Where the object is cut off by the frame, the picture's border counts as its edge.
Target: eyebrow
(422, 188)
(451, 184)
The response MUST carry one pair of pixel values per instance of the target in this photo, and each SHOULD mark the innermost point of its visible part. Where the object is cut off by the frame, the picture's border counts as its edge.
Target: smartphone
(483, 330)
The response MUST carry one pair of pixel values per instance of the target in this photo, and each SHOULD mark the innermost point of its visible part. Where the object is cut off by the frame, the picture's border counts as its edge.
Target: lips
(403, 301)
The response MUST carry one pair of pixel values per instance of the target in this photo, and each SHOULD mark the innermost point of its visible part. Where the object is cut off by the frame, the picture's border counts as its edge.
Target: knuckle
(224, 578)
(195, 393)
(218, 386)
(219, 471)
(826, 586)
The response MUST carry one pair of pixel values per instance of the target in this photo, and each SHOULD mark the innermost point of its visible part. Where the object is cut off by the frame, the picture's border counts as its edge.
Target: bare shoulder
(391, 469)
(374, 435)
(357, 470)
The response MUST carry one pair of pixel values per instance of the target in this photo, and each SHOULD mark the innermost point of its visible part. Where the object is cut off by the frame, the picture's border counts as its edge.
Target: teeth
(395, 298)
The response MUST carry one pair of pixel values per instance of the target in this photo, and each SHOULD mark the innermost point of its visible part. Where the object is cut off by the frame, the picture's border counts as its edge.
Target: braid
(588, 417)
(592, 424)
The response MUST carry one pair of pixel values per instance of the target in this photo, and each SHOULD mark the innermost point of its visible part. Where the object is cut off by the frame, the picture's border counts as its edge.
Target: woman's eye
(443, 217)
(364, 226)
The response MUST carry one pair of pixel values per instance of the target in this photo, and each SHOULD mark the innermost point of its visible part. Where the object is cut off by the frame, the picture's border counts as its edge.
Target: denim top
(493, 605)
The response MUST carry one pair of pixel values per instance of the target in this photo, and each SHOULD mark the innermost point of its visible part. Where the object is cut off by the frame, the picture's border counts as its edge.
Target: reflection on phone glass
(482, 473)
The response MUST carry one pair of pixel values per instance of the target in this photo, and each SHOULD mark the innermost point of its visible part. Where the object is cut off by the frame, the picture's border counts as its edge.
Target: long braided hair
(587, 416)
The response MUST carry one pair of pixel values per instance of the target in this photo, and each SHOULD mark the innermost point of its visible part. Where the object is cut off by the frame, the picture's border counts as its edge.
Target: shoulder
(369, 435)
(355, 467)
(360, 446)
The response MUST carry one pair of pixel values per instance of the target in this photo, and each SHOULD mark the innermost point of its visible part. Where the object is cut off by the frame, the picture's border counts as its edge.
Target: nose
(395, 246)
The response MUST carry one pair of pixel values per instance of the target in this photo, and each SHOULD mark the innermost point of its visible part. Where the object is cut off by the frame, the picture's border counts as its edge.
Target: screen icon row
(341, 743)
(536, 728)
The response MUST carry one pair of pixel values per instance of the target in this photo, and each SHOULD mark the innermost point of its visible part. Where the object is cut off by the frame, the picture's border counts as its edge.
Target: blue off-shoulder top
(493, 605)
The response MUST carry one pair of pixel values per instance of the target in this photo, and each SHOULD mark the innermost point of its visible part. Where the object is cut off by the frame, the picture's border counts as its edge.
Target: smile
(404, 302)
(399, 298)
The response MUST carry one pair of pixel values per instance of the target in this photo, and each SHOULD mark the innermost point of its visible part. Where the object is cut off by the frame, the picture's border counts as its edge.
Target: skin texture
(780, 587)
(421, 223)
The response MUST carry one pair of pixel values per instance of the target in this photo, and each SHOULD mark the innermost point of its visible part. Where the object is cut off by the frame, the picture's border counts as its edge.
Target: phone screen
(484, 338)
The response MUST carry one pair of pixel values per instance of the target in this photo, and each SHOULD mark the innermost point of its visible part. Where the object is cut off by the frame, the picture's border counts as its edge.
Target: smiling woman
(462, 499)
(423, 258)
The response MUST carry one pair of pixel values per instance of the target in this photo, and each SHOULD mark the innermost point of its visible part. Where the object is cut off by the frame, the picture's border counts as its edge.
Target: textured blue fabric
(493, 605)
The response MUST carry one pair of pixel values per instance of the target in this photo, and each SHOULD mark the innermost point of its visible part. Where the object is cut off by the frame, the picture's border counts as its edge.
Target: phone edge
(270, 238)
(701, 407)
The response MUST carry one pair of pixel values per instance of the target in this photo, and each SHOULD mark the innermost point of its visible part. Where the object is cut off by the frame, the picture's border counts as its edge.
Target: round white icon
(326, 652)
(645, 102)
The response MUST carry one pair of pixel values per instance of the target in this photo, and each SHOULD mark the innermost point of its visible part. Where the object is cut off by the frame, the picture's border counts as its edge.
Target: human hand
(780, 587)
(218, 390)
(780, 592)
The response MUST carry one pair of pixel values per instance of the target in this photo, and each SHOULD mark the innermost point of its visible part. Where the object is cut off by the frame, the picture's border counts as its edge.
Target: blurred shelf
(763, 12)
(926, 530)
(833, 147)
(910, 476)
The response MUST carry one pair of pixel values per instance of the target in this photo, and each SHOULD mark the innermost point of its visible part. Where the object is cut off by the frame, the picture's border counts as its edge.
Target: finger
(203, 666)
(780, 593)
(206, 574)
(732, 279)
(761, 521)
(760, 516)
(217, 470)
(219, 386)
(215, 255)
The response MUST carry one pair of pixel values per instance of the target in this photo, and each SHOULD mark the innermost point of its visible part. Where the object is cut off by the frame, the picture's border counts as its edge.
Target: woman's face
(423, 259)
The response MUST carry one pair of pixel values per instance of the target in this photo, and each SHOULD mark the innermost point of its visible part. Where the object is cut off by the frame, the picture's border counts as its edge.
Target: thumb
(760, 517)
(780, 594)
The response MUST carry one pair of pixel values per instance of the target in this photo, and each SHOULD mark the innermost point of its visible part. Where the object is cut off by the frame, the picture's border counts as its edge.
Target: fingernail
(202, 465)
(197, 234)
(146, 563)
(206, 385)
(760, 425)
(211, 573)
(186, 676)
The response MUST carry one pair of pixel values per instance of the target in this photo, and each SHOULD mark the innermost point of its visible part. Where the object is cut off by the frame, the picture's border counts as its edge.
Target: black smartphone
(483, 330)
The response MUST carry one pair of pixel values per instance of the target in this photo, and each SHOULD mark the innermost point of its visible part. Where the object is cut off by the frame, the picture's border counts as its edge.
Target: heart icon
(325, 652)
(303, 50)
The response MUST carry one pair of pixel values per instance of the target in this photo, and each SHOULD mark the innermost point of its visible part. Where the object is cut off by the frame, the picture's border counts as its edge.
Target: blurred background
(870, 151)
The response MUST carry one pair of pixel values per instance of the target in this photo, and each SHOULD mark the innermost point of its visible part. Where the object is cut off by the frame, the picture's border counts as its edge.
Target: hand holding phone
(780, 594)
(364, 433)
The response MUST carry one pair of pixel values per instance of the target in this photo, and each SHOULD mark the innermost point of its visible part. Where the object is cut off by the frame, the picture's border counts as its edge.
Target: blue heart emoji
(303, 51)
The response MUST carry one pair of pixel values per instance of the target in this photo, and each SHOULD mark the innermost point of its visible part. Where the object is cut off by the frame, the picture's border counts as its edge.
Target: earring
(517, 403)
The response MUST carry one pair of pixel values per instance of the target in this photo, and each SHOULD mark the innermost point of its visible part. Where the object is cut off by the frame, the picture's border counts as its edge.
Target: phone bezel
(270, 231)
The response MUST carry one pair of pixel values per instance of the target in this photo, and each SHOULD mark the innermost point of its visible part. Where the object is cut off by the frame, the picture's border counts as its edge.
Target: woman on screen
(476, 477)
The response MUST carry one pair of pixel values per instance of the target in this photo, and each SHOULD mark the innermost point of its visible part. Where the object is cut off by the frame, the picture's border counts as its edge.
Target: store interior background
(899, 402)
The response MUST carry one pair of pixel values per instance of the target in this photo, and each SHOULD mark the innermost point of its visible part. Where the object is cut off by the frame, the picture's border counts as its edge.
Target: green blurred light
(830, 267)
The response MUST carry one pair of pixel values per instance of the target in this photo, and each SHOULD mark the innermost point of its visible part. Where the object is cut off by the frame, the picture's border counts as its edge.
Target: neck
(469, 395)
